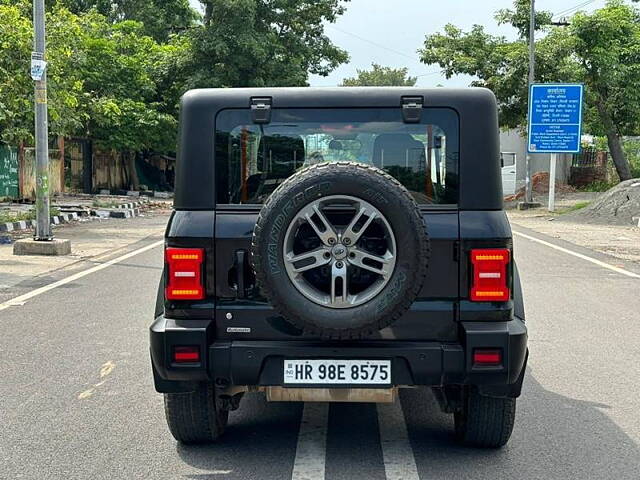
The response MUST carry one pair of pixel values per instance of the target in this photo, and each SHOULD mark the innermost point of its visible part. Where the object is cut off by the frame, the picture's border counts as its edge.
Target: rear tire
(485, 421)
(195, 417)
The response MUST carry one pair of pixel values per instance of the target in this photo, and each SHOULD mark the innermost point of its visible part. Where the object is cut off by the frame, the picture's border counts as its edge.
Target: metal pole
(43, 225)
(528, 196)
(552, 182)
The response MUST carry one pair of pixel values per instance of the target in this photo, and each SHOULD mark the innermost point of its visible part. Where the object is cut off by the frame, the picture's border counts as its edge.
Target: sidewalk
(90, 241)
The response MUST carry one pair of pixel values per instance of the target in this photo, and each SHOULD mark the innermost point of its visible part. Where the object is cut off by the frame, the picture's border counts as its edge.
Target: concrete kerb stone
(124, 210)
(25, 224)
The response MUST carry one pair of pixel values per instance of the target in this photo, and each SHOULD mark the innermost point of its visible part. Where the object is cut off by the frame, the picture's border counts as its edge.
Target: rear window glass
(252, 160)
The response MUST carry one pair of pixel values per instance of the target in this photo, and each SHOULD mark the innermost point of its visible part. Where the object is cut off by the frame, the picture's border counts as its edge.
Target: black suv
(338, 245)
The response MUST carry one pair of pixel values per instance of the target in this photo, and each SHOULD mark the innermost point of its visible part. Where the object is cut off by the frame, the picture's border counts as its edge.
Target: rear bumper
(239, 363)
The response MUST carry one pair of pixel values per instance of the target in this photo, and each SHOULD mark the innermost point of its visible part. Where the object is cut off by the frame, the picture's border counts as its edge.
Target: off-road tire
(485, 421)
(195, 417)
(351, 179)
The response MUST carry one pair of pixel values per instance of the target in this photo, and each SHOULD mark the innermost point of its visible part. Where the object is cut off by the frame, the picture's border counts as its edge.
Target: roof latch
(261, 109)
(412, 109)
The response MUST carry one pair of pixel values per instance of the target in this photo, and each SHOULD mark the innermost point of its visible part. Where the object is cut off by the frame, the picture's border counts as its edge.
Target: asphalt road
(77, 401)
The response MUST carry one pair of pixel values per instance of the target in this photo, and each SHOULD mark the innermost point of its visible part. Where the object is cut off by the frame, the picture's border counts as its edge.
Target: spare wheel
(340, 249)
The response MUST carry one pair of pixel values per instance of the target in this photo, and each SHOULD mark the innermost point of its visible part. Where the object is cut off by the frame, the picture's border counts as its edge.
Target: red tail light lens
(184, 273)
(187, 354)
(487, 357)
(490, 275)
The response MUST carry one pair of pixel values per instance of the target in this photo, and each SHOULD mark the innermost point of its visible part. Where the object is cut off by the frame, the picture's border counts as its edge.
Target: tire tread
(194, 417)
(345, 169)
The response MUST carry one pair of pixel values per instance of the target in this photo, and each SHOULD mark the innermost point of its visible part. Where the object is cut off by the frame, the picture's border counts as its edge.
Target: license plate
(336, 372)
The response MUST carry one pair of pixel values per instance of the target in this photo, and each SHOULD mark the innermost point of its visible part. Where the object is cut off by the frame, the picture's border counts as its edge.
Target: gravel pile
(618, 206)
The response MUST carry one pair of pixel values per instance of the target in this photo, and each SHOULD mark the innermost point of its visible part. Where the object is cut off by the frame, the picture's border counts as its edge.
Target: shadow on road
(259, 443)
(554, 437)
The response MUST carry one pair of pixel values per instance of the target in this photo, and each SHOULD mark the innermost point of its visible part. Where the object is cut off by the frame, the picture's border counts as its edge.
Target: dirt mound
(540, 183)
(616, 206)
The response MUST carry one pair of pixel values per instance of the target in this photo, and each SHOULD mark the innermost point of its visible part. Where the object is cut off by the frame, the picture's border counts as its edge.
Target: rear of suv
(339, 245)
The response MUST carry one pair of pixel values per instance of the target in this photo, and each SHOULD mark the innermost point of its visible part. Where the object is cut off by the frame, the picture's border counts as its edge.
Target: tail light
(490, 275)
(184, 279)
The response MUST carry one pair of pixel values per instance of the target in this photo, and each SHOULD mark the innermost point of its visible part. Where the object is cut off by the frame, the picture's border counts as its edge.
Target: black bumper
(412, 363)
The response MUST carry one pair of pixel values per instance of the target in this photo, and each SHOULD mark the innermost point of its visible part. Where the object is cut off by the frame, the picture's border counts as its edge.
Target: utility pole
(43, 242)
(39, 74)
(528, 187)
(528, 193)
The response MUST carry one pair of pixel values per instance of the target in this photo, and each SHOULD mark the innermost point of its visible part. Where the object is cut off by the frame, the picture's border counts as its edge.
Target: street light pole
(528, 195)
(43, 225)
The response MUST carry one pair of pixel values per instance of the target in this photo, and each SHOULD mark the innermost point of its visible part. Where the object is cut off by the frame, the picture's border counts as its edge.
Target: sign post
(555, 124)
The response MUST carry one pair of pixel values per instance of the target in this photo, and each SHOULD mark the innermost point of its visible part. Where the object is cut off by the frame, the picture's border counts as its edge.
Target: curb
(123, 210)
(118, 212)
(130, 205)
(25, 224)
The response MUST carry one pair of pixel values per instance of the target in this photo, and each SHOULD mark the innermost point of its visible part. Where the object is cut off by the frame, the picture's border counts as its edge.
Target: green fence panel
(8, 172)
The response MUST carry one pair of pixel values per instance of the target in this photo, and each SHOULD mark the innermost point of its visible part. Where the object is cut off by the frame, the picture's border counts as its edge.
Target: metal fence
(590, 157)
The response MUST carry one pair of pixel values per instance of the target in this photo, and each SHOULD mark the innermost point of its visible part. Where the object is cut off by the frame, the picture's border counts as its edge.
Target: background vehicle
(508, 160)
(337, 245)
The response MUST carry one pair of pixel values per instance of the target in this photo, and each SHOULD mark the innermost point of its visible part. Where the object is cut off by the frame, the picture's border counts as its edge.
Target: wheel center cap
(339, 252)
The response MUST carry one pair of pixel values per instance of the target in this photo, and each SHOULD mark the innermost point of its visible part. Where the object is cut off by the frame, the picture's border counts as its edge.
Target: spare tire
(340, 249)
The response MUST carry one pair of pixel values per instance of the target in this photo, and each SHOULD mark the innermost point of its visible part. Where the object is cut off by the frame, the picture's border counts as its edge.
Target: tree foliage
(117, 68)
(380, 76)
(160, 18)
(258, 43)
(601, 49)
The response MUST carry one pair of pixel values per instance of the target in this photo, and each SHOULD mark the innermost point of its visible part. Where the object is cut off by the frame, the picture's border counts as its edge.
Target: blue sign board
(555, 118)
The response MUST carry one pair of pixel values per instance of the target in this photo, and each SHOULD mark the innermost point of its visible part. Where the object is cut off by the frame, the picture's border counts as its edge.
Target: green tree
(103, 80)
(120, 68)
(259, 43)
(601, 49)
(607, 45)
(65, 35)
(380, 76)
(160, 18)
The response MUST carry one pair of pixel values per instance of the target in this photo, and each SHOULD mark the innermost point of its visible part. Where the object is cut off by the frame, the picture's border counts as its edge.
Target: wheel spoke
(318, 257)
(338, 284)
(380, 264)
(352, 235)
(331, 260)
(328, 233)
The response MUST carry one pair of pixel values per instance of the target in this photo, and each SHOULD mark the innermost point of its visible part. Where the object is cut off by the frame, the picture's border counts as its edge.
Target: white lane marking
(399, 463)
(312, 441)
(76, 276)
(600, 263)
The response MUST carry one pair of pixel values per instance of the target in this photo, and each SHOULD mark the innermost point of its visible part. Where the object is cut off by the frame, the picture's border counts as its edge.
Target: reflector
(487, 357)
(186, 354)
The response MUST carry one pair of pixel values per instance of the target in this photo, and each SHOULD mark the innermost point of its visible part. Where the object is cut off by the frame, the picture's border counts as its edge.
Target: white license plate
(336, 372)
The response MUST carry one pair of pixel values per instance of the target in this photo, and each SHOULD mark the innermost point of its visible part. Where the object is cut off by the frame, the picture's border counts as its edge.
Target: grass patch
(598, 186)
(573, 208)
(105, 203)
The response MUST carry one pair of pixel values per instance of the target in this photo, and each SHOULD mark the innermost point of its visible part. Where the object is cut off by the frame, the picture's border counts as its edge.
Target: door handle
(240, 266)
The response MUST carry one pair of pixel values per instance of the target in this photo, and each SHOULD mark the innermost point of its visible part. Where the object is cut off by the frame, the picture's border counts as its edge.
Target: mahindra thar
(337, 245)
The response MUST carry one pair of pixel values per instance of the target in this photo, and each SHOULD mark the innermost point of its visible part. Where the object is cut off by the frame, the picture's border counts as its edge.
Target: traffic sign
(555, 118)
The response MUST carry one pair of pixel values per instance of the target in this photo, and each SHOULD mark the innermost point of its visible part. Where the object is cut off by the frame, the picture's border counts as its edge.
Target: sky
(389, 32)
